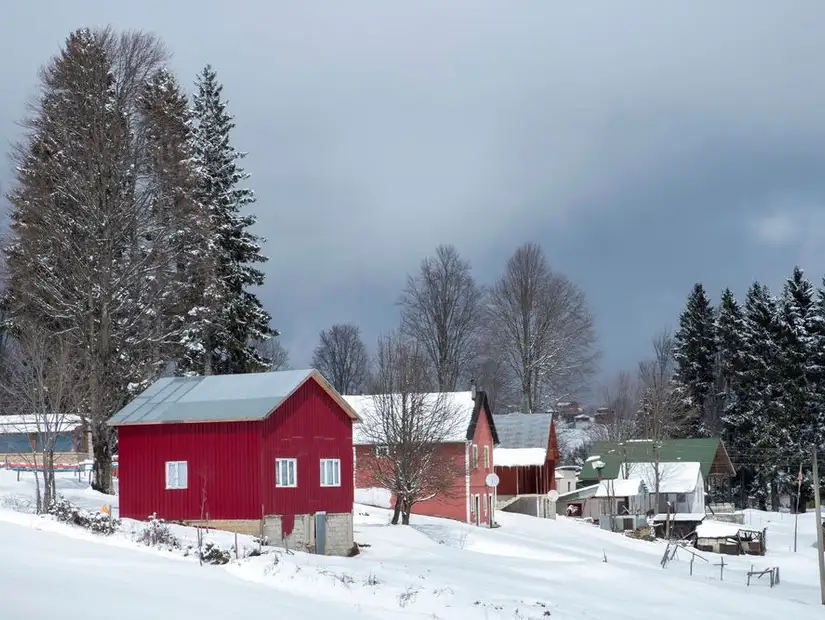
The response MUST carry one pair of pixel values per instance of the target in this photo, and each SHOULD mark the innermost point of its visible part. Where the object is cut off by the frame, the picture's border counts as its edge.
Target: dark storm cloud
(646, 145)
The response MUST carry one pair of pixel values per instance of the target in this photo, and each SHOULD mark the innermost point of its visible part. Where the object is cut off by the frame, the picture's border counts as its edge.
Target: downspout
(467, 478)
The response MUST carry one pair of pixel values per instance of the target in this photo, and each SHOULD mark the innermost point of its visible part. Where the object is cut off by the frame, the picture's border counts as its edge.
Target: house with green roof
(710, 452)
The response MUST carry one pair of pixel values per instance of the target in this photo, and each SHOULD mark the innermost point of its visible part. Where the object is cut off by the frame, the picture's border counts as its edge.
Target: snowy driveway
(46, 575)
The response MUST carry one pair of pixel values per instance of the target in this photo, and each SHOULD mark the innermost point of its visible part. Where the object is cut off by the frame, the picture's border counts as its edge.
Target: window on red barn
(486, 457)
(475, 456)
(330, 472)
(177, 475)
(286, 472)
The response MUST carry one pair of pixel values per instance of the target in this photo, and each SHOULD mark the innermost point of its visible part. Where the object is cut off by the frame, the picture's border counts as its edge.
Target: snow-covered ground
(528, 568)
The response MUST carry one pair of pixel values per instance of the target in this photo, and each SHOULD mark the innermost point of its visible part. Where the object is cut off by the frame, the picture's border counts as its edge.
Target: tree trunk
(102, 449)
(406, 508)
(396, 511)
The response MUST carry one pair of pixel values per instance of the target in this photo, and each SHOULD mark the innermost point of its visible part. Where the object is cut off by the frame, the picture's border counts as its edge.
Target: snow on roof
(518, 457)
(680, 516)
(717, 529)
(595, 457)
(682, 477)
(621, 488)
(241, 397)
(33, 423)
(458, 405)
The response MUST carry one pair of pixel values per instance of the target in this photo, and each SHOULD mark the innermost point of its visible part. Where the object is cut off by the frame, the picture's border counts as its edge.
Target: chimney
(473, 390)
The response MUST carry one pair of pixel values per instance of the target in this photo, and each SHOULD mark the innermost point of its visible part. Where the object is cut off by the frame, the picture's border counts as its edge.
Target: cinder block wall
(339, 533)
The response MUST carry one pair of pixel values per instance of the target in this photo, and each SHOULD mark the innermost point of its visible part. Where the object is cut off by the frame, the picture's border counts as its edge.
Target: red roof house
(469, 446)
(263, 453)
(526, 462)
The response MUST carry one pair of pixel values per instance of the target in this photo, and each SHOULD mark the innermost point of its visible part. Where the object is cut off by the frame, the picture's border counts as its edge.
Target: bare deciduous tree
(44, 385)
(441, 309)
(661, 414)
(341, 357)
(621, 397)
(408, 425)
(541, 328)
(275, 352)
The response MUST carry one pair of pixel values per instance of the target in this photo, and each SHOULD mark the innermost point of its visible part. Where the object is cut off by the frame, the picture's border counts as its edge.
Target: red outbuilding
(264, 453)
(526, 462)
(469, 446)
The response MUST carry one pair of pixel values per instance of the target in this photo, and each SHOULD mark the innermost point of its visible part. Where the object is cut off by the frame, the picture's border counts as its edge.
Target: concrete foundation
(339, 533)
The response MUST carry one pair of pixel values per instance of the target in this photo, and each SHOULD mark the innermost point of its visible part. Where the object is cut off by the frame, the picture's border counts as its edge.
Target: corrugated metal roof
(523, 430)
(214, 398)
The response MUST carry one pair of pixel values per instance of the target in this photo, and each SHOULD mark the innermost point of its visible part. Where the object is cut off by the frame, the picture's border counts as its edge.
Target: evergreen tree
(695, 355)
(762, 416)
(223, 339)
(172, 177)
(85, 259)
(798, 323)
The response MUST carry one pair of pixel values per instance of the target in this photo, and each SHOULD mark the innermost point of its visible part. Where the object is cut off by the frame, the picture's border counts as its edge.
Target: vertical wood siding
(310, 426)
(223, 479)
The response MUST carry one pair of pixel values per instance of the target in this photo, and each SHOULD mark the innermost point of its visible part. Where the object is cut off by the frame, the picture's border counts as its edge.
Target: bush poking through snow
(96, 522)
(156, 533)
(213, 554)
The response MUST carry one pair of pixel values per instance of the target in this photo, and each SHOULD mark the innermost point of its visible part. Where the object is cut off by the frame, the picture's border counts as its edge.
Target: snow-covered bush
(213, 554)
(97, 522)
(156, 533)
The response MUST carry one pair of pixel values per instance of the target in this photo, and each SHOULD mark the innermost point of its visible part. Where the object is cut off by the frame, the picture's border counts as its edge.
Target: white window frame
(381, 452)
(486, 457)
(336, 473)
(173, 483)
(475, 456)
(283, 465)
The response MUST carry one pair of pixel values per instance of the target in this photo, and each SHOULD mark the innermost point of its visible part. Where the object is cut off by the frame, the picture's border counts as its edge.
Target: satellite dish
(553, 495)
(492, 480)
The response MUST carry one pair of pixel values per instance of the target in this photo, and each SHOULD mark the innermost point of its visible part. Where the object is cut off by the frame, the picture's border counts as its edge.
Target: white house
(680, 483)
(566, 477)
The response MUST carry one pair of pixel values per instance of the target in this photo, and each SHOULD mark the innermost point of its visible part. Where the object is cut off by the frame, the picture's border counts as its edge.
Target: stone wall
(339, 533)
(60, 458)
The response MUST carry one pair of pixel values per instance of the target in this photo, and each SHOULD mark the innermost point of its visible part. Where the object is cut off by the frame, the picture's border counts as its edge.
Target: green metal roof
(613, 454)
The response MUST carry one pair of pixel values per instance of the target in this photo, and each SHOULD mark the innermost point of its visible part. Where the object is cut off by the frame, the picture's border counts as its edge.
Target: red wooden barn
(526, 462)
(469, 445)
(262, 453)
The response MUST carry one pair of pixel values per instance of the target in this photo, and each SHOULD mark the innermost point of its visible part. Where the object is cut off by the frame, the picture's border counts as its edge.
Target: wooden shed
(262, 453)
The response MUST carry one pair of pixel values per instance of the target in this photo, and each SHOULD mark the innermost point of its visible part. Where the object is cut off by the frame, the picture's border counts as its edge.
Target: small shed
(526, 456)
(268, 454)
(730, 539)
(622, 503)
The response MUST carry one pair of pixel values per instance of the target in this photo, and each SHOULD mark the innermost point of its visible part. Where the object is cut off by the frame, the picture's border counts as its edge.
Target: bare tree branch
(621, 399)
(342, 358)
(275, 352)
(408, 425)
(44, 385)
(441, 310)
(541, 328)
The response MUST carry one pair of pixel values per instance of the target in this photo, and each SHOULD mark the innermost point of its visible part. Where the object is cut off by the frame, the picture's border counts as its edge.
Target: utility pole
(819, 555)
(796, 515)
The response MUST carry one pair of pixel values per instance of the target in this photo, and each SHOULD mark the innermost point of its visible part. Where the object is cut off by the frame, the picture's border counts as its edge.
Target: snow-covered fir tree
(230, 319)
(761, 433)
(695, 356)
(173, 179)
(798, 322)
(85, 258)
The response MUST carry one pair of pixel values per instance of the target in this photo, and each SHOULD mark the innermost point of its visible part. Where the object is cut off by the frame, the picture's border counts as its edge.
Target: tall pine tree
(695, 355)
(223, 339)
(762, 387)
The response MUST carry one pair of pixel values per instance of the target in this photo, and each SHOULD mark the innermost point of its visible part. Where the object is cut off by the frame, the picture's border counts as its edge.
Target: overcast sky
(645, 145)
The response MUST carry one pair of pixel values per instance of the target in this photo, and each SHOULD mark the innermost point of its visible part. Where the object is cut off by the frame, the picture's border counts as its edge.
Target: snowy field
(526, 569)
